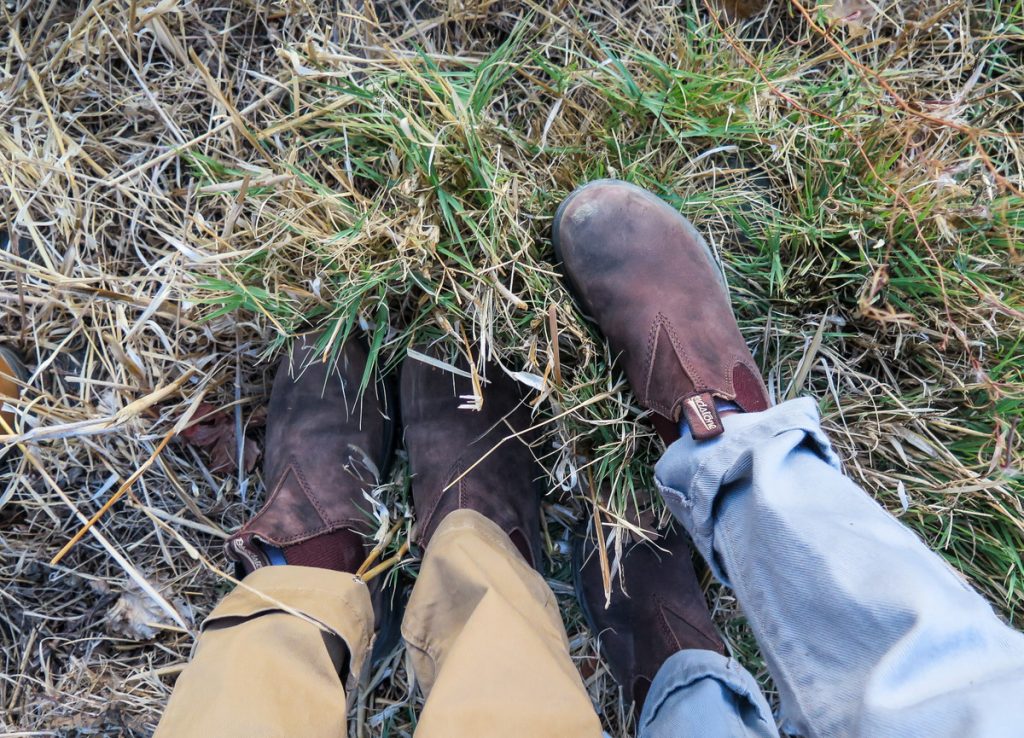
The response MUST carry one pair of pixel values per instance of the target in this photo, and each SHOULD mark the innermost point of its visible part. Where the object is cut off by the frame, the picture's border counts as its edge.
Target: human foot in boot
(326, 445)
(647, 277)
(656, 608)
(471, 459)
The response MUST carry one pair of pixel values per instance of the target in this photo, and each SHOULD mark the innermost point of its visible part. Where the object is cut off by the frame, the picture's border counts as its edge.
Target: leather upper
(648, 279)
(462, 458)
(656, 607)
(326, 446)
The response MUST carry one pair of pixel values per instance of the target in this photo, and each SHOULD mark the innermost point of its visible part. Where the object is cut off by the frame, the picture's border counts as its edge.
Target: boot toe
(593, 207)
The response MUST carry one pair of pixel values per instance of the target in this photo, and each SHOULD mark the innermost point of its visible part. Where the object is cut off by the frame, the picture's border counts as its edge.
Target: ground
(189, 183)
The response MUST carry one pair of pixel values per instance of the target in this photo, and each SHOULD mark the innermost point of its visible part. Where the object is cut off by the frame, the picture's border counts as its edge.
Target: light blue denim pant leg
(705, 695)
(866, 632)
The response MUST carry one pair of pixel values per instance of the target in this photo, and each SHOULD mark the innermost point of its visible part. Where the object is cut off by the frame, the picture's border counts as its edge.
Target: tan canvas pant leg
(487, 642)
(262, 669)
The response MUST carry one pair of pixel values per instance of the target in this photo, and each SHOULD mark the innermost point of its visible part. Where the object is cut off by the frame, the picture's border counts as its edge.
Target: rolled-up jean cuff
(686, 668)
(692, 473)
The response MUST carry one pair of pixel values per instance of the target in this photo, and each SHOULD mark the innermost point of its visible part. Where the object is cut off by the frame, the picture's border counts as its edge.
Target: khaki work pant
(482, 627)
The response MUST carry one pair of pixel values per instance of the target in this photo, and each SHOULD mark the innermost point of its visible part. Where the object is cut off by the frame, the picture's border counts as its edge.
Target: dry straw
(188, 184)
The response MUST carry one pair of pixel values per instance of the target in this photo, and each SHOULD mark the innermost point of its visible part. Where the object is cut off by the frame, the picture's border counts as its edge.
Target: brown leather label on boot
(702, 417)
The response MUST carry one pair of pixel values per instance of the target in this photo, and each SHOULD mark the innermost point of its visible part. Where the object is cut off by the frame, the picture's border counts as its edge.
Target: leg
(262, 670)
(657, 636)
(704, 694)
(645, 275)
(274, 657)
(487, 642)
(866, 632)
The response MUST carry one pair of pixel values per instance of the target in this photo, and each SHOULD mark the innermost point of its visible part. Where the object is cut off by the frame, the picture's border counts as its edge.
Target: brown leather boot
(649, 280)
(471, 458)
(325, 446)
(656, 609)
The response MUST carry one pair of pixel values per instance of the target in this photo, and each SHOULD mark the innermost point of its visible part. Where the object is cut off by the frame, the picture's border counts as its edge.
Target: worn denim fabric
(866, 632)
(705, 695)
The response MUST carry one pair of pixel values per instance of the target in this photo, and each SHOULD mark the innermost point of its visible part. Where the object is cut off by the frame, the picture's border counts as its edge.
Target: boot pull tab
(702, 417)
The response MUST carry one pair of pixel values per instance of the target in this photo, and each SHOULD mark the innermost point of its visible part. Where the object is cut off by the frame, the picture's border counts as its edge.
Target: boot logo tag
(702, 411)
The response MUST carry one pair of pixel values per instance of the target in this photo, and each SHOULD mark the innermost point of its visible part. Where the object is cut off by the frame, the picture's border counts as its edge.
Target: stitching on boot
(695, 377)
(304, 487)
(652, 336)
(684, 359)
(663, 624)
(663, 608)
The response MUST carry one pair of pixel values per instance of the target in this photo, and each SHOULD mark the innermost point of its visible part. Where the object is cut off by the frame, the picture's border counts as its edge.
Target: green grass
(868, 186)
(823, 202)
(825, 198)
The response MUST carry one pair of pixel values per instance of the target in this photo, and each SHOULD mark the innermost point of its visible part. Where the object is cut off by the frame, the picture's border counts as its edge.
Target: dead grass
(190, 183)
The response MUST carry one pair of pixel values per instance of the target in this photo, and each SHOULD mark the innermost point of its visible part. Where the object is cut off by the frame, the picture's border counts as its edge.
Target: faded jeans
(865, 631)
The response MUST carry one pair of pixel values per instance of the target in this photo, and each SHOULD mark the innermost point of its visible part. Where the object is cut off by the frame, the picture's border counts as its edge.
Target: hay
(189, 183)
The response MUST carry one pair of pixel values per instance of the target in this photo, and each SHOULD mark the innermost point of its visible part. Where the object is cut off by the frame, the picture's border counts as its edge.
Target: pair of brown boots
(648, 279)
